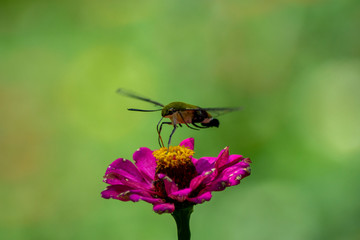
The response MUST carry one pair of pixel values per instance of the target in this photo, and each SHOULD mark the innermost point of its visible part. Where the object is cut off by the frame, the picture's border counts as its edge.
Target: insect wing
(215, 112)
(132, 95)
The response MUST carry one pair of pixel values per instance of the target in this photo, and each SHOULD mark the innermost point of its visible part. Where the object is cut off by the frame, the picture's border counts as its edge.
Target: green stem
(182, 219)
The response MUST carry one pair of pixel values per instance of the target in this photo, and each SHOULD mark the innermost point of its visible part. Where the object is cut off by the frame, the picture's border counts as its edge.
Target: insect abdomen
(213, 123)
(200, 116)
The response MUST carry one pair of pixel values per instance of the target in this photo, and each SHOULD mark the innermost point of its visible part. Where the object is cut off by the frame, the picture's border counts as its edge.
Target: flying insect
(180, 113)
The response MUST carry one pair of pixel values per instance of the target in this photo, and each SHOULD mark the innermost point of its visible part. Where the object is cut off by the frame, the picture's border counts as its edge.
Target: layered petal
(149, 199)
(124, 172)
(114, 191)
(187, 180)
(169, 184)
(145, 162)
(223, 158)
(180, 195)
(229, 177)
(204, 164)
(173, 191)
(201, 198)
(124, 193)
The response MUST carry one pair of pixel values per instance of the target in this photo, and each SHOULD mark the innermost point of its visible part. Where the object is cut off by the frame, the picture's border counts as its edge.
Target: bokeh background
(293, 65)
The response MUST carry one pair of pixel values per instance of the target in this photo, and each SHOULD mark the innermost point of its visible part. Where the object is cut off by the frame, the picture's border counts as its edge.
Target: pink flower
(172, 178)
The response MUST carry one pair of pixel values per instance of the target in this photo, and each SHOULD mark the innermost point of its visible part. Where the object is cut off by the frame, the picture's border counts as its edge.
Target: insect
(180, 113)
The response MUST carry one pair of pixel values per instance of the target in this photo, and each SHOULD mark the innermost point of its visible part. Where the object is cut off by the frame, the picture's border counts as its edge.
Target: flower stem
(182, 219)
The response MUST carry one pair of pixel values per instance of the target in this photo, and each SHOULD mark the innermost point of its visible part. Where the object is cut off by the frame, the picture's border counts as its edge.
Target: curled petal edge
(201, 198)
(164, 208)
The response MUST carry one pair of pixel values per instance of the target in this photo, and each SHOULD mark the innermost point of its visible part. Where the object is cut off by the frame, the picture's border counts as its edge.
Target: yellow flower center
(176, 163)
(177, 155)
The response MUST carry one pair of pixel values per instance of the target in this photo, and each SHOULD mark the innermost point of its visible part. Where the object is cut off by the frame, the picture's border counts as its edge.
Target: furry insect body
(180, 113)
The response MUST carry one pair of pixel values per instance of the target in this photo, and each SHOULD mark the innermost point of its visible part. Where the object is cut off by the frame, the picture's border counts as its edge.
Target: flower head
(172, 178)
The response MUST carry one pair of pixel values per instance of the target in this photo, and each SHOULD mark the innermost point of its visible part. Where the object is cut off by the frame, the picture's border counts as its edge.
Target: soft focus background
(294, 65)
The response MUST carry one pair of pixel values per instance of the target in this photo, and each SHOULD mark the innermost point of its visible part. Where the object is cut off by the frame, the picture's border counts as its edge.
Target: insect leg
(171, 135)
(157, 126)
(160, 141)
(185, 122)
(160, 138)
(143, 110)
(198, 125)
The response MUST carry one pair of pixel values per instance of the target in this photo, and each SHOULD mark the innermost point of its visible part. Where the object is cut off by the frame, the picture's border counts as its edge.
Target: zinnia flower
(172, 179)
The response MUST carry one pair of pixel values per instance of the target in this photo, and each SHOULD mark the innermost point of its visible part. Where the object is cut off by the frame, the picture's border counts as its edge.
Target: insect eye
(171, 110)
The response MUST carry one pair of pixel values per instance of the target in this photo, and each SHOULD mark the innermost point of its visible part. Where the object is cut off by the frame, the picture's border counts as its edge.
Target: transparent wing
(133, 95)
(215, 112)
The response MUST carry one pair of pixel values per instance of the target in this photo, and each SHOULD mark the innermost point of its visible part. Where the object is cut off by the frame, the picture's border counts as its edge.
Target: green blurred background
(294, 65)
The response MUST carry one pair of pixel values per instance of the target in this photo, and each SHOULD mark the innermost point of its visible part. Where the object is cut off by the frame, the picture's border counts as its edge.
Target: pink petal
(216, 185)
(237, 176)
(235, 157)
(223, 158)
(123, 193)
(180, 195)
(136, 198)
(122, 168)
(197, 181)
(233, 175)
(169, 184)
(232, 161)
(229, 177)
(114, 191)
(202, 198)
(145, 162)
(204, 164)
(164, 208)
(115, 177)
(189, 143)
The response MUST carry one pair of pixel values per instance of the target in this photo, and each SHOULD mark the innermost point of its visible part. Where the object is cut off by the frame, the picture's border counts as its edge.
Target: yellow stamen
(176, 155)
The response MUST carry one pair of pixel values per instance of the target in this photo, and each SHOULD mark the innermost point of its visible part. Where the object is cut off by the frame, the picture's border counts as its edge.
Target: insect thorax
(173, 107)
